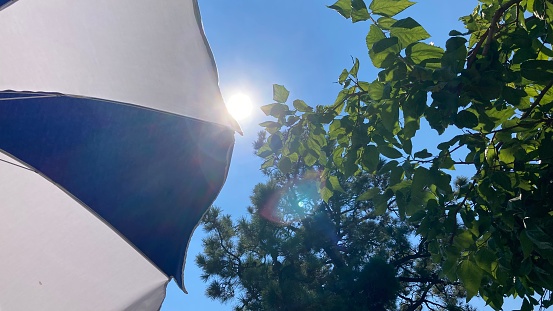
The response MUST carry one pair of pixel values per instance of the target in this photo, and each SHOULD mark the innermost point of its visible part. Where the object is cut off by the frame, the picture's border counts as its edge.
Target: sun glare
(239, 106)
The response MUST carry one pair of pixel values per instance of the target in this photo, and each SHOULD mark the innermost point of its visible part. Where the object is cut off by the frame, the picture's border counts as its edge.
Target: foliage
(492, 86)
(298, 252)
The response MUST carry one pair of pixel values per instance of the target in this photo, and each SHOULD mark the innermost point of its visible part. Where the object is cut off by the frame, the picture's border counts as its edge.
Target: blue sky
(302, 45)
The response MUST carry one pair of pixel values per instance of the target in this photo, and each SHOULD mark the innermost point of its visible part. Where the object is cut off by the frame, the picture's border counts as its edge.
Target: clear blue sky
(302, 45)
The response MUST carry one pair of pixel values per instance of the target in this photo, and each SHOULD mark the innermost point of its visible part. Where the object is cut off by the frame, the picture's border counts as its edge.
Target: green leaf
(466, 119)
(471, 276)
(280, 93)
(309, 159)
(424, 54)
(371, 158)
(423, 154)
(537, 70)
(421, 178)
(375, 34)
(326, 194)
(355, 69)
(455, 54)
(343, 7)
(359, 12)
(386, 22)
(389, 8)
(276, 110)
(300, 105)
(526, 244)
(408, 31)
(335, 183)
(454, 33)
(389, 152)
(270, 124)
(343, 76)
(268, 163)
(267, 109)
(485, 259)
(390, 116)
(285, 165)
(275, 142)
(376, 90)
(384, 53)
(369, 194)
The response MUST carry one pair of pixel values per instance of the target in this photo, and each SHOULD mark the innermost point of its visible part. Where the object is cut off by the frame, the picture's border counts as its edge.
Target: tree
(491, 86)
(298, 252)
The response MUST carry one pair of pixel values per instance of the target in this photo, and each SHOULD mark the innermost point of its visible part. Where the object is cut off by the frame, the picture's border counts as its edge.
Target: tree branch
(537, 101)
(420, 301)
(493, 24)
(405, 259)
(421, 280)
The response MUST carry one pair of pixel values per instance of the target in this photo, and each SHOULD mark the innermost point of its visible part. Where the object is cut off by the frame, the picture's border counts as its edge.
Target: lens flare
(292, 202)
(239, 106)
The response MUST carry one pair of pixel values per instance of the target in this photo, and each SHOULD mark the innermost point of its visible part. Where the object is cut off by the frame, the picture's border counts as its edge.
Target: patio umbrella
(114, 141)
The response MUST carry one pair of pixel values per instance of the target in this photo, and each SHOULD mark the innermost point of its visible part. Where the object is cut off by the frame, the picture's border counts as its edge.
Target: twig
(537, 101)
(477, 47)
(493, 25)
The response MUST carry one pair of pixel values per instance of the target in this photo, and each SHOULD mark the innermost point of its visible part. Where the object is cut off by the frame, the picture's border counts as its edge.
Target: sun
(239, 106)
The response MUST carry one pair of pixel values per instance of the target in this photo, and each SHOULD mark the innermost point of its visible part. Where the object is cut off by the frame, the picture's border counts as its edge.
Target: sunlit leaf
(389, 7)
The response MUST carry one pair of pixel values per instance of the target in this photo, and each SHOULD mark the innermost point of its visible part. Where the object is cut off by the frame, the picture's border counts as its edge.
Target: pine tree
(294, 251)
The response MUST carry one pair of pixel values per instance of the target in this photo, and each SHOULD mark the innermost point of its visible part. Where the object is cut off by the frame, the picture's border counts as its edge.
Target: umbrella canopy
(115, 141)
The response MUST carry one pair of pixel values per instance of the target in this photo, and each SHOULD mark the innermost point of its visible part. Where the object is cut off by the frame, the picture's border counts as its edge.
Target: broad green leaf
(539, 238)
(335, 183)
(267, 109)
(275, 142)
(270, 124)
(375, 34)
(369, 194)
(280, 93)
(485, 258)
(419, 196)
(285, 165)
(420, 179)
(376, 90)
(264, 151)
(343, 7)
(389, 152)
(407, 145)
(423, 54)
(343, 76)
(408, 31)
(466, 119)
(453, 33)
(381, 202)
(309, 159)
(526, 244)
(384, 53)
(268, 163)
(390, 116)
(355, 69)
(537, 70)
(389, 8)
(386, 22)
(455, 54)
(359, 11)
(423, 154)
(300, 105)
(326, 194)
(371, 158)
(276, 110)
(388, 166)
(471, 276)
